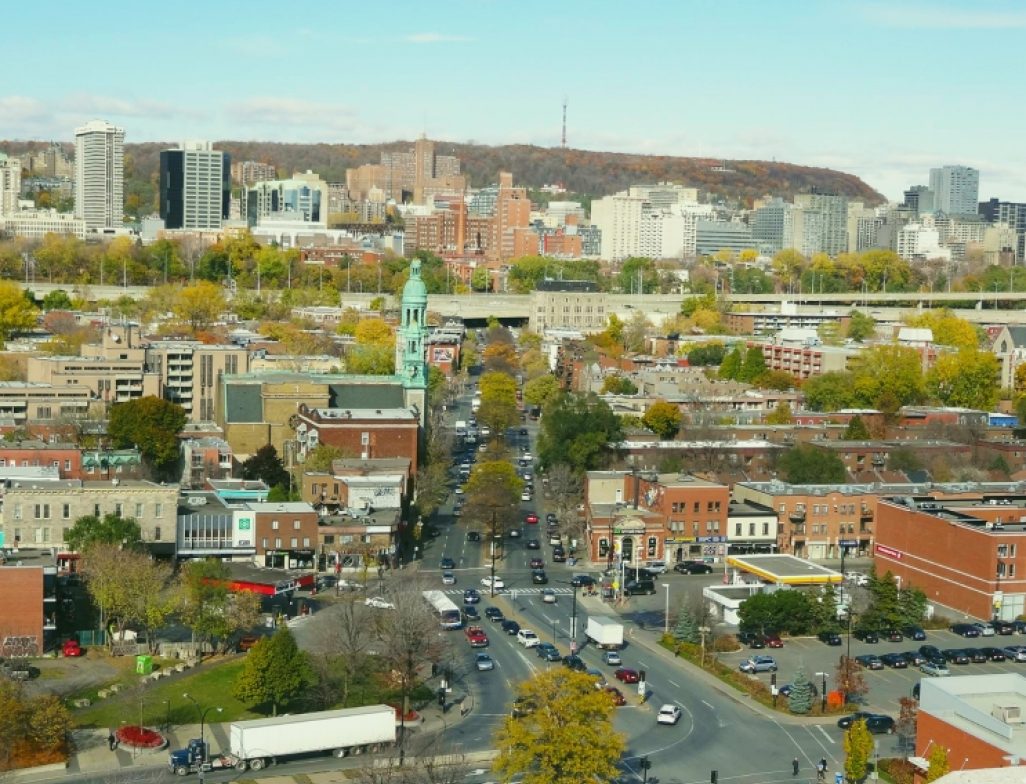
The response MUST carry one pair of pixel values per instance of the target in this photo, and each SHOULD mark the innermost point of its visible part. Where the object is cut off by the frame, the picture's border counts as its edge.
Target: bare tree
(339, 650)
(566, 487)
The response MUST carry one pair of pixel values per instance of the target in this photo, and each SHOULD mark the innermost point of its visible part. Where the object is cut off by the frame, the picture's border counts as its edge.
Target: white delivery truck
(604, 632)
(461, 427)
(258, 743)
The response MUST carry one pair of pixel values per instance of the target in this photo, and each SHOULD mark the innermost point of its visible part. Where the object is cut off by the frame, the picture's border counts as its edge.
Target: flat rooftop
(991, 708)
(784, 569)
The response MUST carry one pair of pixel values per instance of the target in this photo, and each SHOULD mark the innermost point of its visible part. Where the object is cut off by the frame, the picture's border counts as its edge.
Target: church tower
(411, 339)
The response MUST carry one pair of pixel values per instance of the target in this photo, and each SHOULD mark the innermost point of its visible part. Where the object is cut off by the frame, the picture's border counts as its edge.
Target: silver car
(484, 662)
(1015, 652)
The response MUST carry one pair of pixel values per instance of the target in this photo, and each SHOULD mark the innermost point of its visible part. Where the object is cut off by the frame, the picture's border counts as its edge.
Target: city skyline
(882, 92)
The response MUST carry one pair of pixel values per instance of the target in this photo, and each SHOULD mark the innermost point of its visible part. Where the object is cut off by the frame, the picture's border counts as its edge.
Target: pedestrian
(794, 767)
(112, 741)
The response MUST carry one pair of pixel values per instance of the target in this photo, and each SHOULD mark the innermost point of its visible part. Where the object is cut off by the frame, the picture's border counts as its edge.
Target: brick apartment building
(29, 619)
(364, 433)
(286, 534)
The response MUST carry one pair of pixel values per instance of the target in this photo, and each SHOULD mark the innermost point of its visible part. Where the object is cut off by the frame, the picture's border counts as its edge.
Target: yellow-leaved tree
(199, 305)
(562, 733)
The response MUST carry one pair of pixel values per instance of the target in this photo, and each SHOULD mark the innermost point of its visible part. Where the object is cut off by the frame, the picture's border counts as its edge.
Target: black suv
(965, 629)
(692, 567)
(830, 638)
(580, 580)
(867, 635)
(538, 577)
(751, 639)
(635, 587)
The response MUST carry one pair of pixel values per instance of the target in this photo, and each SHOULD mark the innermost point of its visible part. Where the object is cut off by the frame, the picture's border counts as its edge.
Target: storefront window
(651, 547)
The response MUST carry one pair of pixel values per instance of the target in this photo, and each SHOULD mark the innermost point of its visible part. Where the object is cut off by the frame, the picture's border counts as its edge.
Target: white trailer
(604, 632)
(260, 742)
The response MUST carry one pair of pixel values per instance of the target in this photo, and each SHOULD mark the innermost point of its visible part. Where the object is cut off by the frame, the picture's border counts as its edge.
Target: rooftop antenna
(563, 144)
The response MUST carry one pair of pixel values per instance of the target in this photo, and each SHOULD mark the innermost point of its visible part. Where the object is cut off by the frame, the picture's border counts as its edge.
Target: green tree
(17, 314)
(579, 430)
(663, 419)
(856, 430)
(686, 628)
(57, 299)
(638, 274)
(939, 765)
(374, 351)
(112, 529)
(707, 354)
(275, 672)
(804, 464)
(779, 380)
(567, 735)
(800, 698)
(321, 457)
(888, 372)
(858, 750)
(266, 465)
(829, 391)
(904, 459)
(209, 609)
(541, 391)
(731, 366)
(884, 611)
(860, 326)
(690, 305)
(618, 385)
(968, 379)
(152, 425)
(754, 364)
(793, 612)
(781, 415)
(912, 605)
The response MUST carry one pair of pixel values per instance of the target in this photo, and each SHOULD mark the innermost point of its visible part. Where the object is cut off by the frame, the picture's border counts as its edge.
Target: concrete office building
(826, 226)
(36, 224)
(100, 175)
(712, 236)
(195, 186)
(10, 184)
(956, 189)
(772, 224)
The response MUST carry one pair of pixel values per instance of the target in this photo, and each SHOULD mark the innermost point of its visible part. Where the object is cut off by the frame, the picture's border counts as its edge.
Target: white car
(668, 714)
(527, 638)
(458, 490)
(497, 583)
(548, 596)
(378, 602)
(525, 496)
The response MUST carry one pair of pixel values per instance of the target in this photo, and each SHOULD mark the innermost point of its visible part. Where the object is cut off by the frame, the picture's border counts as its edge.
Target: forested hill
(582, 171)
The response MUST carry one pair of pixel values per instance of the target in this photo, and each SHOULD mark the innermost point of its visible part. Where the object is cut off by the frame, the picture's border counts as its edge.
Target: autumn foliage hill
(585, 172)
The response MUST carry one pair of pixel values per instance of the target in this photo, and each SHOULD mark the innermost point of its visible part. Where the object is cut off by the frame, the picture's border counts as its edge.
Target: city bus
(449, 615)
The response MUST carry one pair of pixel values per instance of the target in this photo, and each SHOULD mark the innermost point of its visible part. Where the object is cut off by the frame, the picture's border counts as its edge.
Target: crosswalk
(518, 591)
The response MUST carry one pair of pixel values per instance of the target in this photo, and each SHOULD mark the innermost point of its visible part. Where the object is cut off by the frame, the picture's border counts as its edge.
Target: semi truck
(604, 632)
(258, 743)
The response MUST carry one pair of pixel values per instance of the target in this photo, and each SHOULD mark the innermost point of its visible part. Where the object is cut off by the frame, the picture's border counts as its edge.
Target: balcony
(797, 516)
(865, 528)
(865, 513)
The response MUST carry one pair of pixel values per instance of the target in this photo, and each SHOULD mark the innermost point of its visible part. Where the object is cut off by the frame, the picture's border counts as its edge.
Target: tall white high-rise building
(195, 186)
(956, 190)
(100, 175)
(10, 184)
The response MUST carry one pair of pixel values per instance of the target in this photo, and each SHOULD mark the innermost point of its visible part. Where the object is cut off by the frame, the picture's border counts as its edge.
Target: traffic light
(645, 763)
(713, 776)
(773, 679)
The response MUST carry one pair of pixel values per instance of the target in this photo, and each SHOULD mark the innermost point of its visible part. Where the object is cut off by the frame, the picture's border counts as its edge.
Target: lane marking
(673, 683)
(829, 739)
(709, 705)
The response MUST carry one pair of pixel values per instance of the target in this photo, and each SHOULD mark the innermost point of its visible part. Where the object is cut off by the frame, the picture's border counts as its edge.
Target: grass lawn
(210, 684)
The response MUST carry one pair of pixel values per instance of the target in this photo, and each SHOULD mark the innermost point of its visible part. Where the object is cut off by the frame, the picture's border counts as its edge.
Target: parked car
(773, 640)
(930, 652)
(914, 633)
(668, 714)
(692, 567)
(245, 644)
(751, 639)
(955, 656)
(935, 667)
(72, 648)
(637, 587)
(914, 658)
(830, 638)
(870, 662)
(895, 661)
(893, 635)
(582, 581)
(559, 555)
(787, 688)
(965, 629)
(484, 662)
(551, 518)
(1016, 653)
(627, 675)
(758, 664)
(379, 603)
(986, 629)
(994, 654)
(612, 658)
(877, 723)
(19, 670)
(656, 567)
(866, 635)
(976, 655)
(1003, 628)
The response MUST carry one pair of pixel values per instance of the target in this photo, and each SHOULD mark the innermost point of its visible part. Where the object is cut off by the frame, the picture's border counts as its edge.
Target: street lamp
(822, 706)
(666, 612)
(644, 763)
(573, 616)
(203, 718)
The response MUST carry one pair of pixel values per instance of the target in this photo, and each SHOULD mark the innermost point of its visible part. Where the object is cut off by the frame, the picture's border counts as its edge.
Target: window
(293, 543)
(694, 527)
(737, 529)
(274, 525)
(306, 541)
(67, 465)
(1002, 551)
(277, 543)
(296, 524)
(698, 505)
(263, 543)
(329, 539)
(66, 511)
(158, 510)
(138, 510)
(603, 548)
(765, 529)
(156, 533)
(651, 546)
(17, 531)
(751, 529)
(119, 509)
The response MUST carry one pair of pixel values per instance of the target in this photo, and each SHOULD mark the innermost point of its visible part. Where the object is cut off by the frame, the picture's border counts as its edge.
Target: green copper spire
(410, 362)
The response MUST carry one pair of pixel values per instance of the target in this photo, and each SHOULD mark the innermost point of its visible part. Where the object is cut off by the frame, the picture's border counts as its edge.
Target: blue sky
(884, 90)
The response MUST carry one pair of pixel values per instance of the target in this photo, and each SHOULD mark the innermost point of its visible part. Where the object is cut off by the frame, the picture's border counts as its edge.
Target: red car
(773, 641)
(616, 695)
(476, 637)
(627, 675)
(72, 648)
(537, 563)
(531, 519)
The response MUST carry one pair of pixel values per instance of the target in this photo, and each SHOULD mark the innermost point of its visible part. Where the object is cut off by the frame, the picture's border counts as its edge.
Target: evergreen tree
(800, 698)
(731, 367)
(856, 430)
(275, 672)
(754, 364)
(686, 628)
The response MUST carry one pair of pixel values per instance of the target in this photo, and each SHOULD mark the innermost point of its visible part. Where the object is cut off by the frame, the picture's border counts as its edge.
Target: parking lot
(886, 686)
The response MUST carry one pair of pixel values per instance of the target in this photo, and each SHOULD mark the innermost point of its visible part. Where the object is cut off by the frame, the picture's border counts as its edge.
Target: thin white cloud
(435, 38)
(108, 106)
(940, 17)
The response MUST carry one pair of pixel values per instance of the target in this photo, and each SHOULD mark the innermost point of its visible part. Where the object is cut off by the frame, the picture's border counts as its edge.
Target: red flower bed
(140, 737)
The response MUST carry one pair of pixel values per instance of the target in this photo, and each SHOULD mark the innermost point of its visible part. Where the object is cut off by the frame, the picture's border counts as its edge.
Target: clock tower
(410, 341)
